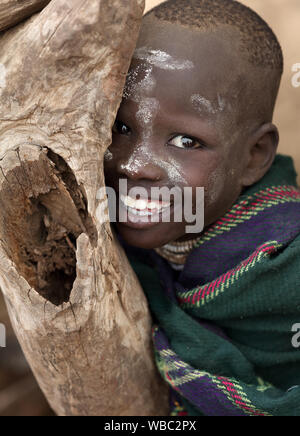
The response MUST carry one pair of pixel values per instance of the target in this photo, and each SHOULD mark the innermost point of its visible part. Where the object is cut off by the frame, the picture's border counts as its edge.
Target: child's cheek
(215, 187)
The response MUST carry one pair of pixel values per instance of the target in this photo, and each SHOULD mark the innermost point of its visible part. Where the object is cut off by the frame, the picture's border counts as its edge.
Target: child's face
(177, 126)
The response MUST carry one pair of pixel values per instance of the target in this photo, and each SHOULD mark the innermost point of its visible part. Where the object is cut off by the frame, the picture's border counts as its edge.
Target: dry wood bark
(75, 304)
(14, 11)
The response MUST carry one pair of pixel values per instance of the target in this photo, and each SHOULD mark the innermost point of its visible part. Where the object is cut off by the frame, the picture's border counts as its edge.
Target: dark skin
(198, 126)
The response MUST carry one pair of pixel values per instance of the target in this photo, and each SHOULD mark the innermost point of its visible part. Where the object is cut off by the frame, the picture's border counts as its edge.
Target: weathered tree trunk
(75, 304)
(14, 11)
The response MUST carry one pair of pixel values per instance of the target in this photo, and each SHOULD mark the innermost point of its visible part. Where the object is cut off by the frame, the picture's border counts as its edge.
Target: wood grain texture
(76, 306)
(13, 12)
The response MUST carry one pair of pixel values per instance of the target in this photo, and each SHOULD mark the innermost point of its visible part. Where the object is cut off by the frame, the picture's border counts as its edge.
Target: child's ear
(261, 150)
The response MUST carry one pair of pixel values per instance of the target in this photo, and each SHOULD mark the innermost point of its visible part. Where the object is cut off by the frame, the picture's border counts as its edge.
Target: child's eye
(121, 128)
(182, 141)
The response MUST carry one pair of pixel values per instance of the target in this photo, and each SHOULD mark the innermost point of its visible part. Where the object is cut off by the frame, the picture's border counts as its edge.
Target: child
(197, 112)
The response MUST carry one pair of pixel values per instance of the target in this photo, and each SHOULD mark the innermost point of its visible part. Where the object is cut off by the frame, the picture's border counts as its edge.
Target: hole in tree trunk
(44, 211)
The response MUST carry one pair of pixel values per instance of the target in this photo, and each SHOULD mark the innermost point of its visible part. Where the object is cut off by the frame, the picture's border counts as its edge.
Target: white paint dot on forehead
(162, 60)
(201, 104)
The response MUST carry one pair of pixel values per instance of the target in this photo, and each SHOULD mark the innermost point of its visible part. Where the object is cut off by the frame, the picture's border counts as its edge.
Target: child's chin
(146, 239)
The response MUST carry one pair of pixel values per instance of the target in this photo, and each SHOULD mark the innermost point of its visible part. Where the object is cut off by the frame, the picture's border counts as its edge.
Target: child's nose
(141, 165)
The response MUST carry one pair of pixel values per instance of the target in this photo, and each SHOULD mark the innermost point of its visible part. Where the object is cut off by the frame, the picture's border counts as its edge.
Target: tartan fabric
(223, 326)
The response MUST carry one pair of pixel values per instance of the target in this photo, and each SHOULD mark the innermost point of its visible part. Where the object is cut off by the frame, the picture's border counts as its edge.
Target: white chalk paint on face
(131, 82)
(202, 104)
(135, 88)
(142, 156)
(215, 185)
(172, 168)
(148, 84)
(146, 114)
(162, 60)
(138, 91)
(221, 103)
(134, 164)
(148, 108)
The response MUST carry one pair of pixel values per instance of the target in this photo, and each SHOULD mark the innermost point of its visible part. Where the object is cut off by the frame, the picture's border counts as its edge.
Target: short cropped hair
(258, 41)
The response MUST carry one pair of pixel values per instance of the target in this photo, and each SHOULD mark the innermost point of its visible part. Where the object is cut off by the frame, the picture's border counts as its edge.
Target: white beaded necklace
(177, 252)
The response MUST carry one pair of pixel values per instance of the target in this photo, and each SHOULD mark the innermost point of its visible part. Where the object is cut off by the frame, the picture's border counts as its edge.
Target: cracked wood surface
(75, 304)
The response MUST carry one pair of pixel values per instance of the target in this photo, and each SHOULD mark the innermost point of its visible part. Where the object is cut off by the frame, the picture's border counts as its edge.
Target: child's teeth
(139, 212)
(130, 202)
(142, 205)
